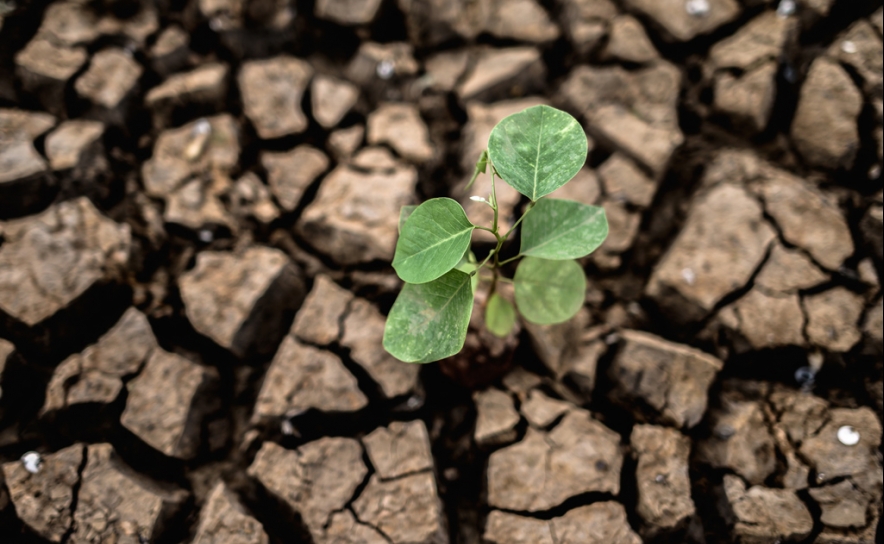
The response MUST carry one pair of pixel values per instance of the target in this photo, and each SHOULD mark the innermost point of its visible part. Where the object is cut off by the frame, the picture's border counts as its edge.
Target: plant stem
(511, 259)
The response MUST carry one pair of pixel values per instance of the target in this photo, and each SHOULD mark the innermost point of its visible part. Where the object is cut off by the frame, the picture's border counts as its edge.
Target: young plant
(536, 151)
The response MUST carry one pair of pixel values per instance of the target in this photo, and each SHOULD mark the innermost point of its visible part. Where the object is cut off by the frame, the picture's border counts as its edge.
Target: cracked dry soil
(198, 210)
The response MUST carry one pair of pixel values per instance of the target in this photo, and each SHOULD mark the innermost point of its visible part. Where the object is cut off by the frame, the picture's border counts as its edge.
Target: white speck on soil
(848, 436)
(32, 462)
(689, 276)
(386, 69)
(786, 8)
(848, 47)
(206, 236)
(697, 8)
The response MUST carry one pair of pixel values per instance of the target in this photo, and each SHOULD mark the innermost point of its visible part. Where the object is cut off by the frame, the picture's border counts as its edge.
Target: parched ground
(198, 210)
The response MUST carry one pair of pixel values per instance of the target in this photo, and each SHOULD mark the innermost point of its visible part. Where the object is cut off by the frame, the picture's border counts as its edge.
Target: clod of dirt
(168, 401)
(872, 226)
(765, 319)
(290, 173)
(22, 170)
(522, 20)
(316, 480)
(624, 181)
(111, 79)
(271, 93)
(251, 198)
(199, 204)
(342, 143)
(545, 469)
(375, 63)
(344, 528)
(374, 159)
(363, 335)
(846, 513)
(861, 48)
(355, 216)
(303, 377)
(673, 379)
(748, 99)
(628, 41)
(557, 345)
(506, 528)
(319, 319)
(824, 128)
(197, 148)
(226, 297)
(586, 22)
(399, 449)
(400, 126)
(45, 68)
(223, 520)
(51, 259)
(205, 86)
(496, 418)
(740, 441)
(788, 270)
(170, 51)
(664, 487)
(96, 375)
(405, 509)
(43, 499)
(331, 99)
(541, 410)
(723, 241)
(763, 515)
(830, 457)
(676, 20)
(598, 523)
(832, 318)
(347, 12)
(444, 69)
(69, 23)
(496, 72)
(764, 37)
(114, 504)
(76, 144)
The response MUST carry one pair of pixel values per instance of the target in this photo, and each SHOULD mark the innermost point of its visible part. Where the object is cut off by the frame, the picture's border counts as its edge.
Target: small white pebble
(386, 69)
(874, 171)
(206, 236)
(689, 276)
(697, 8)
(848, 47)
(612, 339)
(32, 462)
(786, 8)
(216, 24)
(202, 126)
(848, 436)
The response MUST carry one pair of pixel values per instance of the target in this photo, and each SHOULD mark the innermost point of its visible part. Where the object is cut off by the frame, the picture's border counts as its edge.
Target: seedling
(536, 151)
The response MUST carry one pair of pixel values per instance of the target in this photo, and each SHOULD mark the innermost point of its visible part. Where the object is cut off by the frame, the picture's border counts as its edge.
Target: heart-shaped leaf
(500, 316)
(547, 291)
(429, 321)
(537, 150)
(563, 229)
(432, 241)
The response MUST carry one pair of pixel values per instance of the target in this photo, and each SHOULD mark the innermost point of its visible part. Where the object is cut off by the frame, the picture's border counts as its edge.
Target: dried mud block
(69, 23)
(45, 68)
(331, 99)
(763, 38)
(740, 441)
(624, 181)
(445, 68)
(406, 509)
(363, 335)
(598, 523)
(724, 239)
(807, 218)
(831, 457)
(375, 159)
(199, 203)
(251, 198)
(205, 86)
(23, 180)
(673, 379)
(873, 328)
(44, 500)
(824, 127)
(224, 520)
(344, 528)
(580, 455)
(584, 187)
(500, 73)
(96, 374)
(496, 418)
(208, 145)
(555, 344)
(303, 377)
(872, 226)
(168, 402)
(861, 48)
(319, 319)
(355, 215)
(788, 271)
(622, 130)
(541, 410)
(800, 415)
(766, 319)
(399, 449)
(374, 63)
(842, 506)
(506, 528)
(342, 143)
(623, 227)
(400, 126)
(628, 41)
(75, 144)
(664, 485)
(677, 20)
(833, 319)
(271, 93)
(347, 12)
(761, 515)
(49, 260)
(291, 172)
(748, 99)
(315, 481)
(108, 83)
(240, 300)
(170, 51)
(522, 20)
(433, 22)
(586, 22)
(115, 504)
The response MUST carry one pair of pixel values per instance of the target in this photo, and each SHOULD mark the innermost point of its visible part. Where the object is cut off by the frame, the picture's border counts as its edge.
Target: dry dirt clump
(199, 206)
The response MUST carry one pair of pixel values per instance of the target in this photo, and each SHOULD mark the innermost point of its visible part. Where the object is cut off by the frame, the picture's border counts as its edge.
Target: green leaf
(432, 241)
(563, 229)
(404, 213)
(429, 321)
(468, 265)
(537, 150)
(547, 291)
(500, 316)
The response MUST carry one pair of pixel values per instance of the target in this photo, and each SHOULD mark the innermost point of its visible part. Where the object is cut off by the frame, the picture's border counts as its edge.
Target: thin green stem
(511, 259)
(494, 205)
(519, 220)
